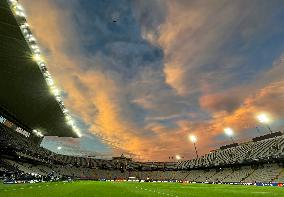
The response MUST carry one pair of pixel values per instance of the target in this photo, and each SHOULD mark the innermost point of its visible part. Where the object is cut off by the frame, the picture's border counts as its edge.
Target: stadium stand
(255, 161)
(22, 158)
(263, 150)
(265, 173)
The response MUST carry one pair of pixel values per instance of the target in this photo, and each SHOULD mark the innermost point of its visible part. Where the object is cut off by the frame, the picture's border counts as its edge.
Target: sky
(140, 76)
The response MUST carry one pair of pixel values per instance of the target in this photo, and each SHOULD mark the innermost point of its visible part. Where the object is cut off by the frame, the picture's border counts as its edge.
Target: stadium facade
(27, 104)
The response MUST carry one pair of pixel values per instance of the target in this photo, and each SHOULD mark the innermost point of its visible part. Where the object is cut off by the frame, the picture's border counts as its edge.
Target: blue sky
(140, 76)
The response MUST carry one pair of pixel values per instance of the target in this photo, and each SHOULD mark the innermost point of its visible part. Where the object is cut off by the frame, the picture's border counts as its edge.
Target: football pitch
(125, 189)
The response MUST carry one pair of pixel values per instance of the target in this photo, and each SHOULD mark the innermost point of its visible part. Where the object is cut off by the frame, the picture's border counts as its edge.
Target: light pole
(263, 118)
(229, 132)
(193, 139)
(257, 130)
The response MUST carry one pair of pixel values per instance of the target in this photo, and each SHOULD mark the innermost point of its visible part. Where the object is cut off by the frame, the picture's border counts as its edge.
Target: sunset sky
(139, 76)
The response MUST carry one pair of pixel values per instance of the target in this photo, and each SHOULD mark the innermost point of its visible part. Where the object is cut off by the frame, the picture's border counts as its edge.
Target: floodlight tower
(229, 132)
(193, 139)
(264, 119)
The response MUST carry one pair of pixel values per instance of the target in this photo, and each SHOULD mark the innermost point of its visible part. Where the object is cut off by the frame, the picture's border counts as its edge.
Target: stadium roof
(24, 91)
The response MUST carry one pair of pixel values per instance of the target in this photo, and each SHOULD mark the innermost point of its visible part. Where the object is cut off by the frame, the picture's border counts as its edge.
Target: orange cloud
(268, 99)
(92, 95)
(102, 100)
(226, 101)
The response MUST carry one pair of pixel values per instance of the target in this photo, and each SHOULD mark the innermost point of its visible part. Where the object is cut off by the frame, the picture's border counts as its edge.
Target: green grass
(125, 189)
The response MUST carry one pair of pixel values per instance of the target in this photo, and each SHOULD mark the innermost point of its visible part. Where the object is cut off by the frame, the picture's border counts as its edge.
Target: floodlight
(55, 91)
(37, 133)
(263, 118)
(178, 157)
(59, 147)
(68, 117)
(49, 81)
(229, 131)
(24, 25)
(58, 98)
(20, 13)
(19, 7)
(70, 122)
(31, 39)
(37, 58)
(79, 134)
(193, 138)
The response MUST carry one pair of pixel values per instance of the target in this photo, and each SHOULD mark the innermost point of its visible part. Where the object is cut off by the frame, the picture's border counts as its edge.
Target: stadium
(32, 109)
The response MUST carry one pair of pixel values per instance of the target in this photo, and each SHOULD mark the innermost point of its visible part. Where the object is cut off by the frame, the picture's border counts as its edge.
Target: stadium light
(31, 38)
(18, 9)
(193, 139)
(37, 133)
(264, 119)
(55, 91)
(19, 14)
(178, 157)
(59, 147)
(229, 132)
(37, 58)
(13, 1)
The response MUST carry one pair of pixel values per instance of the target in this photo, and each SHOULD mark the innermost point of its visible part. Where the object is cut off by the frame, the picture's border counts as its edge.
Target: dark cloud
(228, 102)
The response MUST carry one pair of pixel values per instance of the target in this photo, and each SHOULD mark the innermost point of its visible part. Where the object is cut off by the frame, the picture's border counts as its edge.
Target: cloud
(99, 88)
(164, 70)
(199, 39)
(227, 101)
